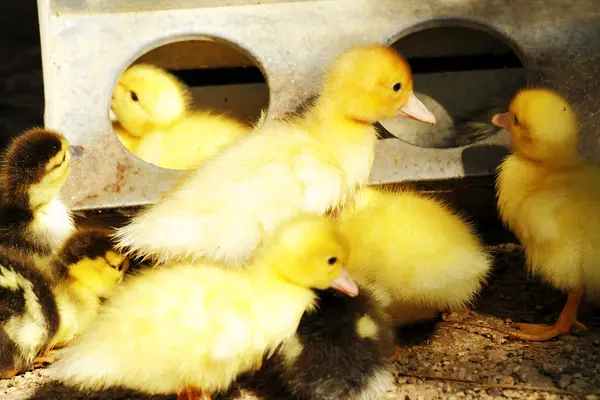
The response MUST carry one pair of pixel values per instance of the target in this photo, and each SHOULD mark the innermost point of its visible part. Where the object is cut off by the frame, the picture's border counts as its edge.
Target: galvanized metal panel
(88, 44)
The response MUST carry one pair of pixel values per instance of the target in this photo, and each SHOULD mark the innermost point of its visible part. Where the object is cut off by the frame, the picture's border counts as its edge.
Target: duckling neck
(52, 222)
(352, 142)
(280, 305)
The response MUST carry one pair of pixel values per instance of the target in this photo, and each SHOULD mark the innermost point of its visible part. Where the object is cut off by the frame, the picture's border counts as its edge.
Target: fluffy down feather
(422, 256)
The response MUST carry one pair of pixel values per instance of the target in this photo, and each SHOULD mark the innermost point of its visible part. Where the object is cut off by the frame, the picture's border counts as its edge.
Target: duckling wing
(237, 198)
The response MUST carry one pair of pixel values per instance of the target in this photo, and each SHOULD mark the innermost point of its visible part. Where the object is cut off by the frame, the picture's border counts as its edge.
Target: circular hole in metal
(220, 77)
(463, 75)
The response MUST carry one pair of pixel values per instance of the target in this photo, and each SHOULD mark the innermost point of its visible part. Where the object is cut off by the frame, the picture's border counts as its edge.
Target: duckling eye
(331, 260)
(133, 96)
(396, 87)
(516, 122)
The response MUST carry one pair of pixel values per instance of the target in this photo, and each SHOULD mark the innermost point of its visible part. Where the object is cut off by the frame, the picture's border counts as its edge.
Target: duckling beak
(415, 109)
(503, 120)
(76, 152)
(345, 284)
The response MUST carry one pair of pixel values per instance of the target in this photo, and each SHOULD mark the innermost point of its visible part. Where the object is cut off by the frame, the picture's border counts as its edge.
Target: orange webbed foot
(192, 393)
(567, 322)
(48, 357)
(541, 332)
(8, 373)
(395, 354)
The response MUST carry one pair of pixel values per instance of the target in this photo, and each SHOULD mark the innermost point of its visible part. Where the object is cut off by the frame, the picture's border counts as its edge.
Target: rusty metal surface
(84, 53)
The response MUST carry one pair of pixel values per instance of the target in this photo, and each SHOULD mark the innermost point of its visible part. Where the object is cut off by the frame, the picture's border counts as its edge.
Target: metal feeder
(87, 44)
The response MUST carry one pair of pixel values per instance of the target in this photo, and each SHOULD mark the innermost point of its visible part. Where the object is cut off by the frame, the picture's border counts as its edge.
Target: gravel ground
(459, 356)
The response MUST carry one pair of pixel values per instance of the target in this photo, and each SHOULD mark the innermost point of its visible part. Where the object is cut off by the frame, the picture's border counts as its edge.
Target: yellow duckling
(39, 312)
(34, 168)
(550, 198)
(192, 329)
(154, 121)
(309, 164)
(418, 255)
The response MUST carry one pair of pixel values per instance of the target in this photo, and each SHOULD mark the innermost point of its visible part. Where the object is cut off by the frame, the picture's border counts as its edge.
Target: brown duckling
(34, 168)
(39, 311)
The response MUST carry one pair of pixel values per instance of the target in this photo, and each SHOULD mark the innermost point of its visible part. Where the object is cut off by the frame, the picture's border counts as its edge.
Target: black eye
(120, 267)
(133, 96)
(396, 87)
(331, 260)
(516, 122)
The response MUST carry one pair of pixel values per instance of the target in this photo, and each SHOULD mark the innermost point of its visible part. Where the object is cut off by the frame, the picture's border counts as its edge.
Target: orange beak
(344, 283)
(503, 120)
(415, 109)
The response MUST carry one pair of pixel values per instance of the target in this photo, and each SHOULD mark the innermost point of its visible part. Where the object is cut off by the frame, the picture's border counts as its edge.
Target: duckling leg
(395, 355)
(8, 373)
(47, 358)
(567, 320)
(192, 393)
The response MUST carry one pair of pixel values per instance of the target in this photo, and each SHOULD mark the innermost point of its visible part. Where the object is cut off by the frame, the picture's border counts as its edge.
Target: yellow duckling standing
(192, 329)
(418, 255)
(154, 121)
(39, 312)
(309, 164)
(550, 198)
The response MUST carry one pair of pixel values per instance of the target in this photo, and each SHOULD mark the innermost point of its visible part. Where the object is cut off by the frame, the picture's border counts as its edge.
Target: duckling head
(35, 167)
(310, 252)
(542, 124)
(89, 257)
(372, 83)
(147, 97)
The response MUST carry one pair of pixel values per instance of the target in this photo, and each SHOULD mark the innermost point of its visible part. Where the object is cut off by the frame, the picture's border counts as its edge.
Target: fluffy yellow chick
(418, 255)
(38, 311)
(154, 123)
(310, 164)
(550, 198)
(192, 329)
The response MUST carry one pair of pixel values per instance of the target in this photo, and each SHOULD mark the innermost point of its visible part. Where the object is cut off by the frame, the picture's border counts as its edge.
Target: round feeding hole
(181, 103)
(463, 75)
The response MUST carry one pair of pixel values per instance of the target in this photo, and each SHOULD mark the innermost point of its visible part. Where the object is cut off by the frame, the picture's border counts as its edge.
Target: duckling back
(423, 257)
(339, 351)
(185, 144)
(234, 200)
(29, 315)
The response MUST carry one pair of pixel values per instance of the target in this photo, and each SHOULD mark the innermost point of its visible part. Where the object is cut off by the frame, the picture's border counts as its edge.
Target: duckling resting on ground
(34, 169)
(192, 329)
(309, 164)
(422, 257)
(550, 198)
(155, 123)
(340, 351)
(39, 312)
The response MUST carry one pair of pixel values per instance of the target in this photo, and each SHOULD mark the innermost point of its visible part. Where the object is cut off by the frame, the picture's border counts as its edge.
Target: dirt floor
(460, 356)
